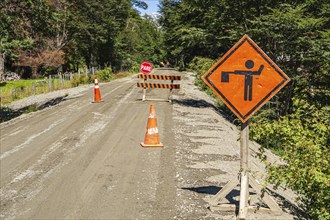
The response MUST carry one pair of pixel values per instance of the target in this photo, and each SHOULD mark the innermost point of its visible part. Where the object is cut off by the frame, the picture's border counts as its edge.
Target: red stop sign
(145, 67)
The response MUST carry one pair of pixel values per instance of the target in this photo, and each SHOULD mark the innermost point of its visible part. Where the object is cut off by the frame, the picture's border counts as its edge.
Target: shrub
(81, 79)
(135, 68)
(75, 80)
(104, 75)
(200, 65)
(302, 139)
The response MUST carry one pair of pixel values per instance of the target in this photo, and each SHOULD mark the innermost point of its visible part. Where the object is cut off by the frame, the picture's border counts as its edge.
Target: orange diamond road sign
(245, 78)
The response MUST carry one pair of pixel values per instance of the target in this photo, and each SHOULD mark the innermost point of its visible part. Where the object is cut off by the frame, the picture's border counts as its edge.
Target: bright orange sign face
(245, 78)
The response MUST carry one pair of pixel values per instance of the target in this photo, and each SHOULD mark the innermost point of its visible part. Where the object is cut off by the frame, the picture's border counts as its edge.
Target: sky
(152, 7)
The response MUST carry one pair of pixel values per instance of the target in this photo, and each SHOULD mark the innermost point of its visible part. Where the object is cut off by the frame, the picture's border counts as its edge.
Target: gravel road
(83, 160)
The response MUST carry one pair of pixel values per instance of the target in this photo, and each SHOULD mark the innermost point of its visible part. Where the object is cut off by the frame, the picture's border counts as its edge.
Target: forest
(46, 36)
(42, 37)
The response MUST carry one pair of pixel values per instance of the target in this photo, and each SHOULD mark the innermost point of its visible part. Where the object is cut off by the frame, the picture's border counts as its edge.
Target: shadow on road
(195, 103)
(213, 190)
(199, 103)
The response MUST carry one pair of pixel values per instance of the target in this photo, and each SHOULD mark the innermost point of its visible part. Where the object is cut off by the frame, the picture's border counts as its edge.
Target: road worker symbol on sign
(245, 78)
(248, 82)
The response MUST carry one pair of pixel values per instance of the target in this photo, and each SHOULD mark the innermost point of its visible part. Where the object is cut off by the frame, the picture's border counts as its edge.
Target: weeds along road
(83, 160)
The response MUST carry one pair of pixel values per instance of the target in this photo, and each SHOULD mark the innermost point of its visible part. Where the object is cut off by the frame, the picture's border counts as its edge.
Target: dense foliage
(295, 34)
(200, 65)
(52, 34)
(302, 139)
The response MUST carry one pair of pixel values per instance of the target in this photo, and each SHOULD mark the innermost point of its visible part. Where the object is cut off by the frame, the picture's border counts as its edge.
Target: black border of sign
(261, 53)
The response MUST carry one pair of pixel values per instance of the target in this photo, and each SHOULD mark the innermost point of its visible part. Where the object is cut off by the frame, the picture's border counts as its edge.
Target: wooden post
(61, 80)
(13, 93)
(2, 66)
(50, 83)
(144, 91)
(171, 92)
(244, 187)
(33, 88)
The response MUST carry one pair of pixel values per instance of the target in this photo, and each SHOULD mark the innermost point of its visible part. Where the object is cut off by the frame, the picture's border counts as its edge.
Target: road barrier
(158, 86)
(146, 85)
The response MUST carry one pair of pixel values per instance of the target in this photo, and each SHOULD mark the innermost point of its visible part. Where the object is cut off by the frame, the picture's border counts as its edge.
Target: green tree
(140, 40)
(298, 39)
(26, 33)
(85, 32)
(93, 27)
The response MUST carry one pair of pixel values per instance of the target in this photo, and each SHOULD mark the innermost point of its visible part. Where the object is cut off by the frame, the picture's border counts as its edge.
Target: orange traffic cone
(97, 94)
(152, 137)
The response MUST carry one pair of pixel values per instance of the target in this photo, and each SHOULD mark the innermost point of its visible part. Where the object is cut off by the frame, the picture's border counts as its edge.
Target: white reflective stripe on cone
(153, 131)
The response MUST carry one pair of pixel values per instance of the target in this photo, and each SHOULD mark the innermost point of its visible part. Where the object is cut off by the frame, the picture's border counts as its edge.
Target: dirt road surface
(83, 160)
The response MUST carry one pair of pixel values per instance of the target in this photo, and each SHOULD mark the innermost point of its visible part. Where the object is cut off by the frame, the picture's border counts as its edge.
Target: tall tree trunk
(2, 66)
(34, 72)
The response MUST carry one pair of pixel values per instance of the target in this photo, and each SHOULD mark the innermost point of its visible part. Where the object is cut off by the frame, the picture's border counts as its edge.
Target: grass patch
(14, 90)
(9, 85)
(121, 75)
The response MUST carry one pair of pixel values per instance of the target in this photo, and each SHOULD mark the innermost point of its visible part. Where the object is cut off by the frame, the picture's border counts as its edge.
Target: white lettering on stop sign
(147, 68)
